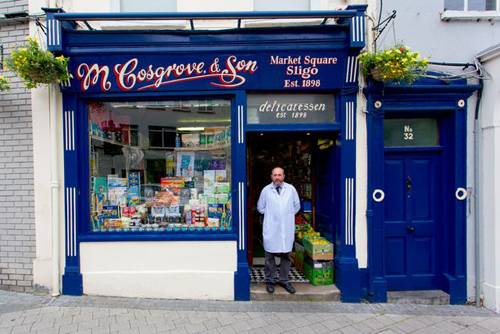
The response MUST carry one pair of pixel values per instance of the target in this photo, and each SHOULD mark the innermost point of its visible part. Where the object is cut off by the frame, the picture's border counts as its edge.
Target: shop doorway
(311, 165)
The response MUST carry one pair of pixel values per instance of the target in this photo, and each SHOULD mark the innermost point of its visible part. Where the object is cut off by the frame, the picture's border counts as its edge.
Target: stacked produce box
(313, 254)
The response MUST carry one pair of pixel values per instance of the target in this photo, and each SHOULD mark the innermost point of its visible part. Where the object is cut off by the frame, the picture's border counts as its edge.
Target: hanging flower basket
(4, 84)
(398, 65)
(36, 66)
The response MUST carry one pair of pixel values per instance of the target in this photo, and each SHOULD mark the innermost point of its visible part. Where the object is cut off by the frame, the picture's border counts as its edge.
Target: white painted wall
(418, 24)
(163, 269)
(490, 183)
(44, 99)
(362, 154)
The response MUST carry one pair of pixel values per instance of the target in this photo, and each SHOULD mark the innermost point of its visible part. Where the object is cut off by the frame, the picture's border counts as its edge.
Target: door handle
(408, 184)
(410, 229)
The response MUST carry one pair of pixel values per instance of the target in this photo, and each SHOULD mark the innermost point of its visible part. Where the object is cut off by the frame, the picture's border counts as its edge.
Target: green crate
(319, 272)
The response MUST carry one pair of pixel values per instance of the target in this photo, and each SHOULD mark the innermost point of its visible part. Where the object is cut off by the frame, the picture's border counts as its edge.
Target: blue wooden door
(412, 219)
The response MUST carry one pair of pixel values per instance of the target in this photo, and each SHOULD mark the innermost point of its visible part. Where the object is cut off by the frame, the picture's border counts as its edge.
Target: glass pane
(160, 166)
(282, 5)
(148, 6)
(290, 108)
(453, 4)
(491, 4)
(155, 138)
(482, 5)
(411, 132)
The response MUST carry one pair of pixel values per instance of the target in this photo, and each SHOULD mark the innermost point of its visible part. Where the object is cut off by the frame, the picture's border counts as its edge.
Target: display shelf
(202, 148)
(109, 141)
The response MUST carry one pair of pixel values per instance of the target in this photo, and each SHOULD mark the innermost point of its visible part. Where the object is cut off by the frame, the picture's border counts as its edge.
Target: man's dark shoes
(270, 287)
(288, 287)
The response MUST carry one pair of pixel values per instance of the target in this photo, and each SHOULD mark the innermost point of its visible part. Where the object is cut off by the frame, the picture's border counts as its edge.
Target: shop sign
(290, 108)
(304, 71)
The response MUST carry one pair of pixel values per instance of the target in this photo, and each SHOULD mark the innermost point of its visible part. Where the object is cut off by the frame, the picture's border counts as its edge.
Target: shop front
(169, 135)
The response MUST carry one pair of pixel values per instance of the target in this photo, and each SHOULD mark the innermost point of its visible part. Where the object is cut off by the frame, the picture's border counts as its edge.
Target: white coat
(279, 217)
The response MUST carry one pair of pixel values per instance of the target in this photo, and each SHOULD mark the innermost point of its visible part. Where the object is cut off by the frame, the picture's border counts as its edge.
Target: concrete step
(425, 297)
(305, 292)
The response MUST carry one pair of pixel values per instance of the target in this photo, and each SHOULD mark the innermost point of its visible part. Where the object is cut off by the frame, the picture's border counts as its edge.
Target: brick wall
(17, 223)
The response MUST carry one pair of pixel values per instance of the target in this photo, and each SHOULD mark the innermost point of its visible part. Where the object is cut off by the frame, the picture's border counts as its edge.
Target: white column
(490, 186)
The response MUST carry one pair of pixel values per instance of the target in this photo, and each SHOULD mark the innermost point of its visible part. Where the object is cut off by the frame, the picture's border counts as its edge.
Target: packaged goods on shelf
(172, 211)
(117, 190)
(319, 272)
(185, 195)
(193, 195)
(220, 175)
(213, 222)
(222, 198)
(190, 139)
(185, 164)
(134, 188)
(99, 192)
(198, 215)
(208, 179)
(113, 223)
(172, 182)
(222, 187)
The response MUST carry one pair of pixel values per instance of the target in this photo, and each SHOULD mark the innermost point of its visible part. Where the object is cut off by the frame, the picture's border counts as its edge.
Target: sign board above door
(290, 109)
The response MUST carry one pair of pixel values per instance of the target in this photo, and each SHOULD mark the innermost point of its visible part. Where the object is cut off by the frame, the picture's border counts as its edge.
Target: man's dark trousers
(270, 267)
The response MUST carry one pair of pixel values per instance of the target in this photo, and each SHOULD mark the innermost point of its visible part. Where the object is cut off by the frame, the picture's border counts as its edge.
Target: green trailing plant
(397, 64)
(36, 66)
(4, 84)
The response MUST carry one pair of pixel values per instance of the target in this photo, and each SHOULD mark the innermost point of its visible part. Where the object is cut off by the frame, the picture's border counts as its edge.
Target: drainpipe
(477, 229)
(54, 189)
(54, 179)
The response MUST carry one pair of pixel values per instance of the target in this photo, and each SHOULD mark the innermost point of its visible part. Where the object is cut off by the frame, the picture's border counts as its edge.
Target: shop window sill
(458, 15)
(151, 236)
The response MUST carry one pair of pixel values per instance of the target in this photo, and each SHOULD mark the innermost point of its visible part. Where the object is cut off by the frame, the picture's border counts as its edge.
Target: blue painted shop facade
(416, 207)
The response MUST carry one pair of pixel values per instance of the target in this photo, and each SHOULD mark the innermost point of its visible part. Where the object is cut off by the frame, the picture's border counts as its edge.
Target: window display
(160, 166)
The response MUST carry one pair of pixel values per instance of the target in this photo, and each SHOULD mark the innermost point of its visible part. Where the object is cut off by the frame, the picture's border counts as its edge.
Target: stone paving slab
(24, 313)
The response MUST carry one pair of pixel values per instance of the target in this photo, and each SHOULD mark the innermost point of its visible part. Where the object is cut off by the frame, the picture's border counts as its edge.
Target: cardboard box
(317, 251)
(319, 272)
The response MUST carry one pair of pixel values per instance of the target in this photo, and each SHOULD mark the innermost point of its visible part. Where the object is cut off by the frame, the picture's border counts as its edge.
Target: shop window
(411, 132)
(470, 5)
(160, 166)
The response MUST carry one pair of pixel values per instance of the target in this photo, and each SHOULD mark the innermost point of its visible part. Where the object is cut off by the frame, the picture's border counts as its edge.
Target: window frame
(83, 231)
(466, 14)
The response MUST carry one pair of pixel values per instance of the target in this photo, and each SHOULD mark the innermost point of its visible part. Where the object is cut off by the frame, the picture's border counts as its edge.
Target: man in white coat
(278, 202)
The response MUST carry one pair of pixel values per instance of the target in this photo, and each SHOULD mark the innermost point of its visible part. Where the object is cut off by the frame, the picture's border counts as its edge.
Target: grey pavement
(26, 313)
